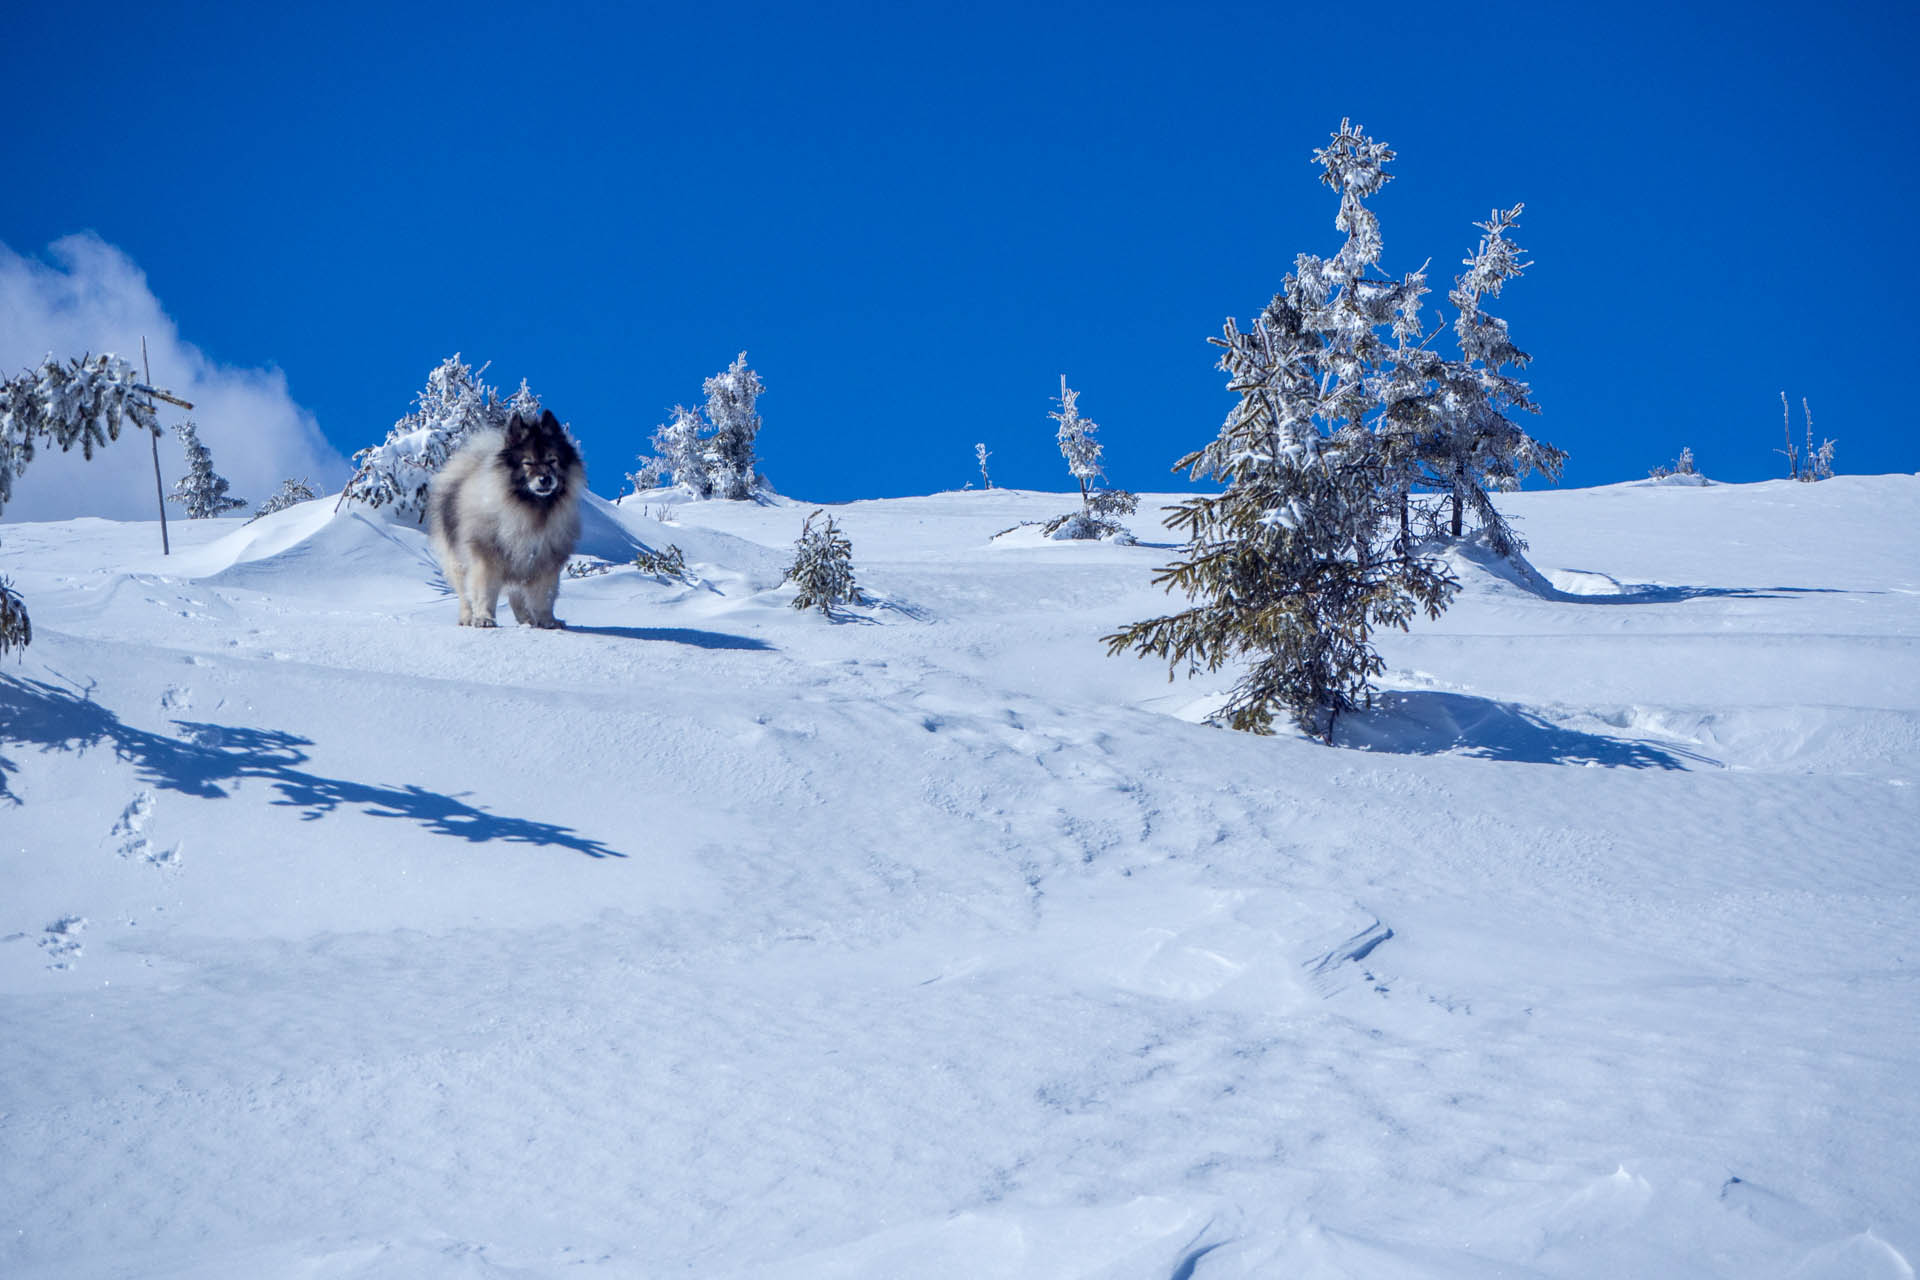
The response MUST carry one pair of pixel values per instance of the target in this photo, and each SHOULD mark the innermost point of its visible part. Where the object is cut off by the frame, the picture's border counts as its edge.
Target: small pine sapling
(1082, 452)
(292, 494)
(651, 473)
(822, 568)
(671, 563)
(1681, 466)
(588, 567)
(202, 491)
(16, 629)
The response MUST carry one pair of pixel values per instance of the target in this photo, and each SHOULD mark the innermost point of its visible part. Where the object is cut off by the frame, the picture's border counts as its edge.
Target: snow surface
(711, 938)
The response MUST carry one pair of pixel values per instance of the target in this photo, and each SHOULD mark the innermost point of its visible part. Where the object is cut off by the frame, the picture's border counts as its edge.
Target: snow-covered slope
(710, 938)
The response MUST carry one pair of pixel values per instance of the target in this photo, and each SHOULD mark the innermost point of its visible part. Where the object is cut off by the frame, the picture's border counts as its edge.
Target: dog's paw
(550, 624)
(483, 622)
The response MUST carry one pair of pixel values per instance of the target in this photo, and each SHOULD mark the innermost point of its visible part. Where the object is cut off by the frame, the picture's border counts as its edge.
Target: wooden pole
(159, 488)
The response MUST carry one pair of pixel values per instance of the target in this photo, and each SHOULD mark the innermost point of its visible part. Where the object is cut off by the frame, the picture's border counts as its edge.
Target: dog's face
(540, 456)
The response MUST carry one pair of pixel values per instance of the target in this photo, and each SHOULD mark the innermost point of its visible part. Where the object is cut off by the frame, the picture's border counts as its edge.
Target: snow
(713, 938)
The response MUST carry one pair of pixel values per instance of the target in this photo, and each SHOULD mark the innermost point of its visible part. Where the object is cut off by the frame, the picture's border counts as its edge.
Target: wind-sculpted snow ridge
(735, 941)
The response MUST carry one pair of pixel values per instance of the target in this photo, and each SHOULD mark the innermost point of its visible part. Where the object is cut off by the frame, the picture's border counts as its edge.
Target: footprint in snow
(130, 831)
(61, 941)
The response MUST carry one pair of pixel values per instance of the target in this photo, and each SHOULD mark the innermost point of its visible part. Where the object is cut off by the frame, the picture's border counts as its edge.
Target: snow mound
(359, 550)
(313, 544)
(1476, 564)
(616, 533)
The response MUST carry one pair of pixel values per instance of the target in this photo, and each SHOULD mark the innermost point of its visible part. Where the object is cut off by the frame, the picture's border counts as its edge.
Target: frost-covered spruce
(822, 568)
(1298, 560)
(1082, 452)
(680, 449)
(292, 493)
(1075, 438)
(453, 406)
(980, 455)
(81, 402)
(202, 491)
(1481, 447)
(649, 475)
(16, 629)
(731, 463)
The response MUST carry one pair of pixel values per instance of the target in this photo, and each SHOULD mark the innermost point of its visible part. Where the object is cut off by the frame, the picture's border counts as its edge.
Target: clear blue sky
(916, 217)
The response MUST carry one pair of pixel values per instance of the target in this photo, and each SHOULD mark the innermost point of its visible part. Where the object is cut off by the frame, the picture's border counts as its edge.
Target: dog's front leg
(457, 579)
(483, 594)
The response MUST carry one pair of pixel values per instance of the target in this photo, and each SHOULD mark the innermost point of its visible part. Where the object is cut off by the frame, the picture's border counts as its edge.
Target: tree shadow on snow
(675, 635)
(208, 759)
(1426, 723)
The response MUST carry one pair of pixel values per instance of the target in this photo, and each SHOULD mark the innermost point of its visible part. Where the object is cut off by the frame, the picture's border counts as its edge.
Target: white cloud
(94, 299)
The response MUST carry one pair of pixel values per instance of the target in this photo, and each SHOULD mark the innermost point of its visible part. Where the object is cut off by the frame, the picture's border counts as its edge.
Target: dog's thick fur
(505, 512)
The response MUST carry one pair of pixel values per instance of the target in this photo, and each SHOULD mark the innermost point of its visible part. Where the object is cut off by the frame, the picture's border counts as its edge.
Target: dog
(505, 512)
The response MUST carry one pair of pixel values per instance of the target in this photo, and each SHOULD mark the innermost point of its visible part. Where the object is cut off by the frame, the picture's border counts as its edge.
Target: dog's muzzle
(543, 486)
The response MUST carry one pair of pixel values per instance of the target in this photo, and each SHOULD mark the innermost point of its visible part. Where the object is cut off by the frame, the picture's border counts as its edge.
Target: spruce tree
(16, 629)
(83, 402)
(1478, 445)
(201, 491)
(732, 464)
(680, 447)
(822, 568)
(1298, 560)
(1082, 452)
(292, 493)
(454, 404)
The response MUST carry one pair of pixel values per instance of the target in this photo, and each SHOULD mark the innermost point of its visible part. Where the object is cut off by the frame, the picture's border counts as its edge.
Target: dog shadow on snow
(207, 760)
(673, 635)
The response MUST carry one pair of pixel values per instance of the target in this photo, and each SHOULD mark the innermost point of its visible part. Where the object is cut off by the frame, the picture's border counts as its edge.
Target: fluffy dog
(505, 512)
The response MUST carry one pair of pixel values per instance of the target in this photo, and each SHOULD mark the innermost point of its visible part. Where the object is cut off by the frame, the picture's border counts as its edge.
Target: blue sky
(915, 218)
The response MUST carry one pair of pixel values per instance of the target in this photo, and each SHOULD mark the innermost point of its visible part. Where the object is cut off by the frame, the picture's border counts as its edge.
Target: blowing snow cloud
(91, 298)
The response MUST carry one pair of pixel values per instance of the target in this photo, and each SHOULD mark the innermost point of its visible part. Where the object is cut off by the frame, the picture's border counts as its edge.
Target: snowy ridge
(930, 941)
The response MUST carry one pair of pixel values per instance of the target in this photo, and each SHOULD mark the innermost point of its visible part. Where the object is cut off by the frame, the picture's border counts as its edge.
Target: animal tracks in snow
(61, 941)
(130, 833)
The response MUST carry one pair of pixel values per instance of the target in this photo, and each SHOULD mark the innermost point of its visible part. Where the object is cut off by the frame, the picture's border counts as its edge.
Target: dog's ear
(516, 430)
(549, 424)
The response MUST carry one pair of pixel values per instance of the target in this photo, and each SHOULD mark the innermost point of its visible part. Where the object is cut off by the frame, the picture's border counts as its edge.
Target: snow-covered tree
(77, 402)
(201, 491)
(980, 455)
(82, 401)
(1479, 445)
(455, 403)
(680, 452)
(292, 493)
(1295, 564)
(16, 629)
(1682, 466)
(1075, 437)
(1082, 452)
(822, 568)
(710, 452)
(732, 465)
(649, 475)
